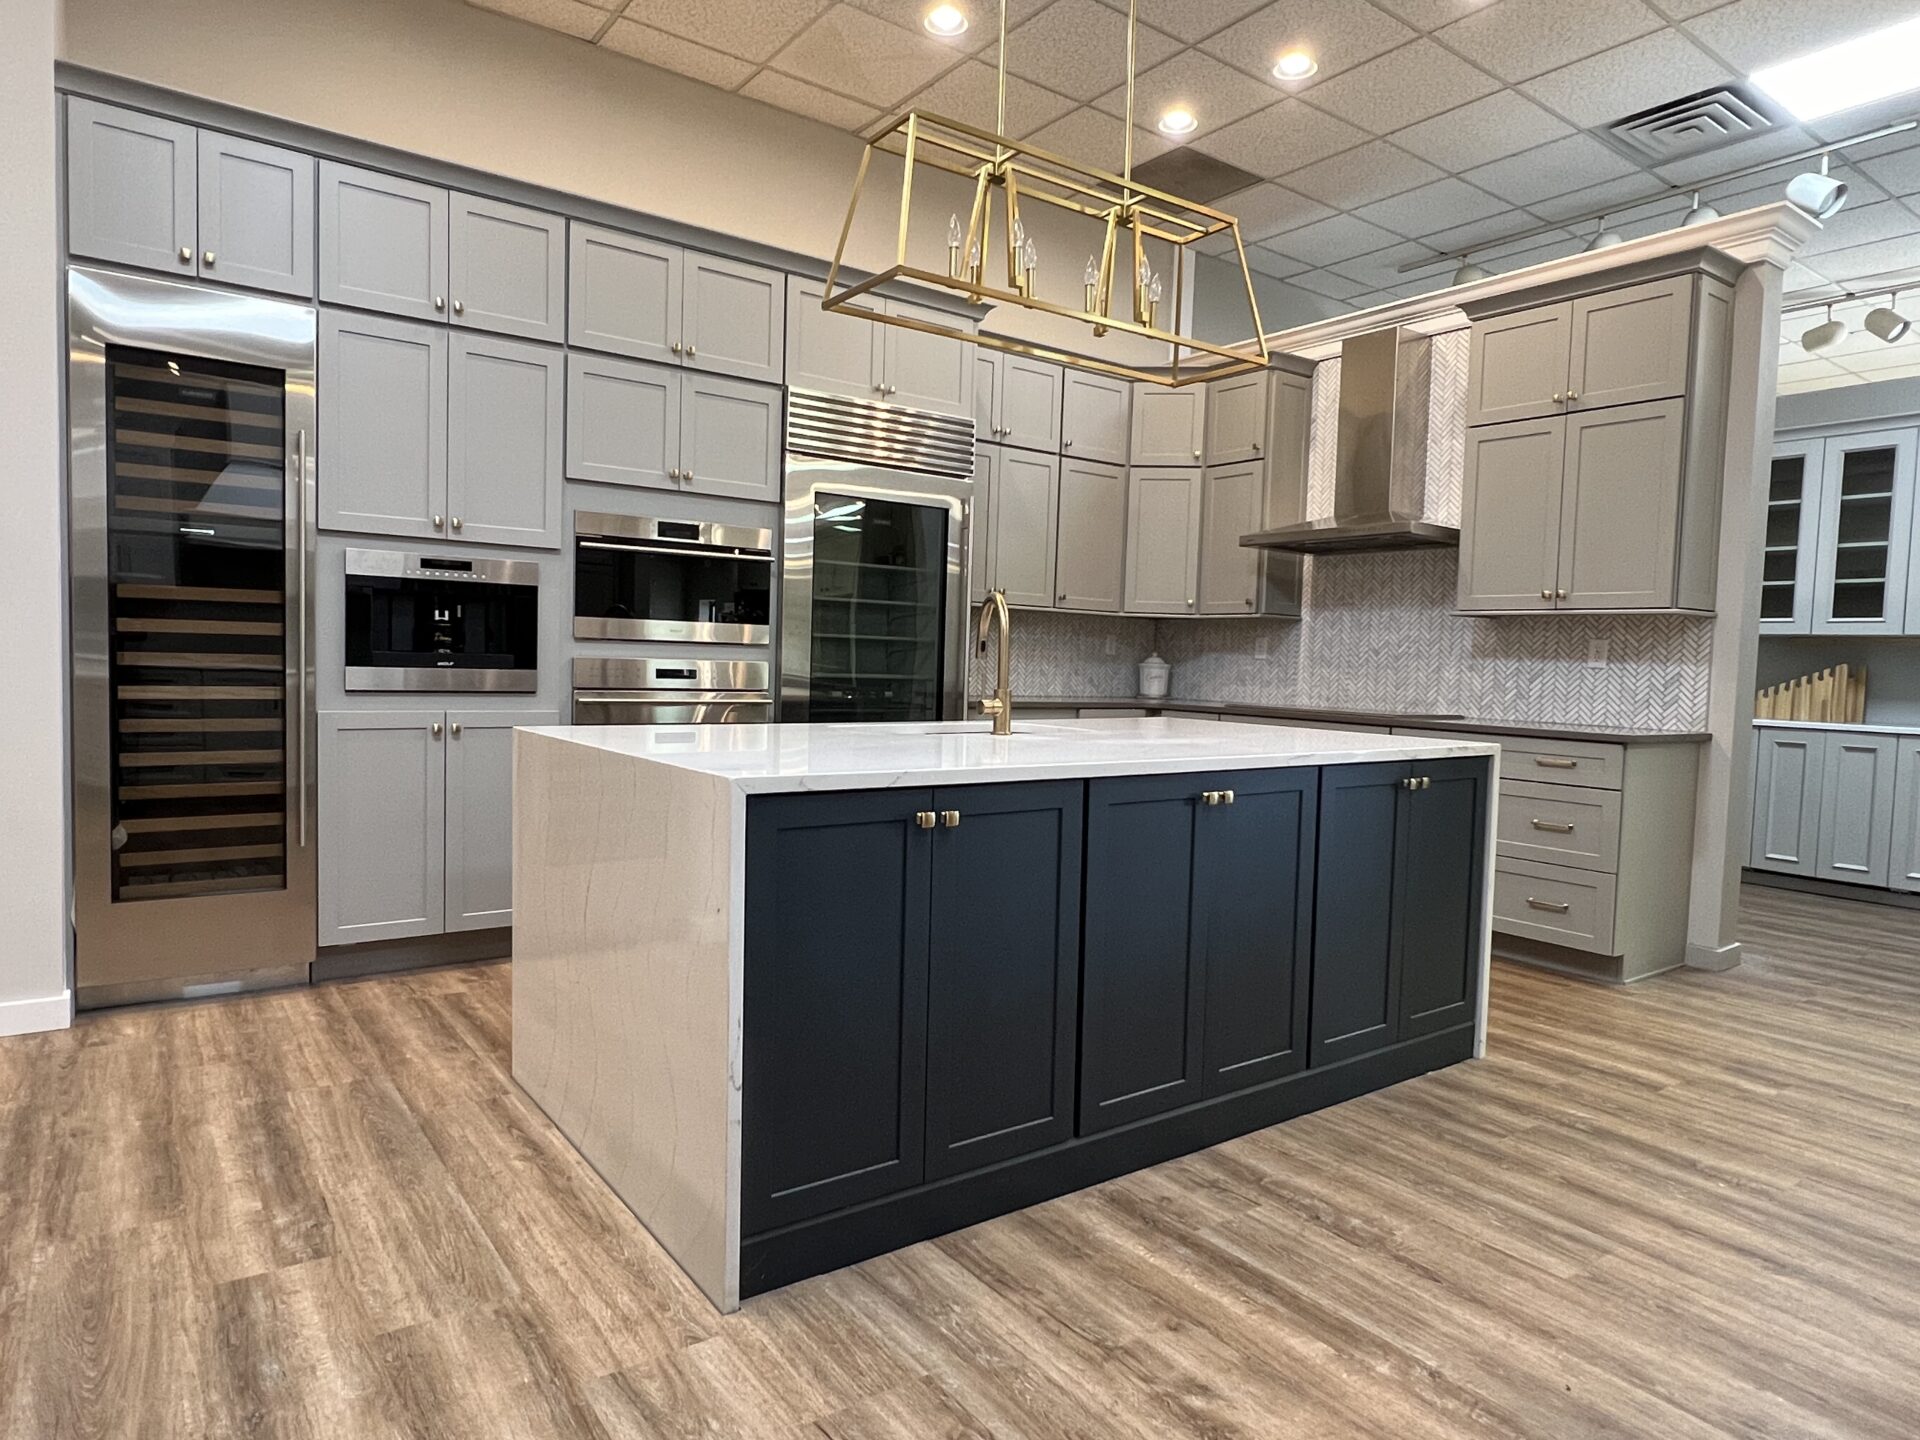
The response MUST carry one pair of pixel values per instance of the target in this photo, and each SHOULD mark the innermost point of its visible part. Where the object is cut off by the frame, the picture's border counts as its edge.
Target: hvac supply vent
(1193, 174)
(1694, 124)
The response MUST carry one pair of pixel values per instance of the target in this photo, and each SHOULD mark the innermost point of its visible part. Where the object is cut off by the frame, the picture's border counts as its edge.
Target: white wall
(1220, 302)
(33, 792)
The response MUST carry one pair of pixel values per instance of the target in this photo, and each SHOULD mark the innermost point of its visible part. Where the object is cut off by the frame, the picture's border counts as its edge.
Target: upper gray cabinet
(506, 268)
(924, 371)
(1234, 580)
(1510, 516)
(1865, 535)
(1163, 541)
(383, 428)
(671, 429)
(1017, 400)
(1619, 526)
(505, 419)
(729, 437)
(1096, 412)
(1517, 367)
(633, 296)
(383, 242)
(1793, 529)
(1090, 569)
(1236, 419)
(1026, 511)
(847, 355)
(982, 569)
(1169, 426)
(151, 192)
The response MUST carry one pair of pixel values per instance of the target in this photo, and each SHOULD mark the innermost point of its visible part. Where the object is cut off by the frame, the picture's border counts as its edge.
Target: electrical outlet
(1262, 647)
(1113, 645)
(1596, 653)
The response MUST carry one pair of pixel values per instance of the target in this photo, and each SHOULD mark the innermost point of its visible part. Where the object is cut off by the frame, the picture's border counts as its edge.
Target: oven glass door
(879, 608)
(640, 590)
(397, 624)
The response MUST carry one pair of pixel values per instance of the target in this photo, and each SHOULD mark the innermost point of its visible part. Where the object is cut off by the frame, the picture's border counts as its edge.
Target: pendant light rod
(1133, 24)
(1000, 111)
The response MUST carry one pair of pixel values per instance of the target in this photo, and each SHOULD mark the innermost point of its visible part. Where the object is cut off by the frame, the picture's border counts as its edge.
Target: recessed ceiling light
(946, 21)
(1178, 121)
(1854, 72)
(1295, 65)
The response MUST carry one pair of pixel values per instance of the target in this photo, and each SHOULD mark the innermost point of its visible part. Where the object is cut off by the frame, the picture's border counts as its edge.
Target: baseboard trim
(42, 1012)
(1711, 957)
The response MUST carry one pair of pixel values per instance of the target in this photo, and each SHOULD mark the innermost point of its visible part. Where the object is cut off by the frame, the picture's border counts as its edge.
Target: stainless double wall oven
(638, 578)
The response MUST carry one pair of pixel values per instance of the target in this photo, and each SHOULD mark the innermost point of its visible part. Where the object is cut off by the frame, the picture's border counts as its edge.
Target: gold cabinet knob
(206, 259)
(674, 347)
(186, 254)
(1066, 444)
(1196, 454)
(1558, 398)
(950, 819)
(1226, 797)
(1572, 395)
(925, 819)
(691, 352)
(1560, 594)
(1546, 594)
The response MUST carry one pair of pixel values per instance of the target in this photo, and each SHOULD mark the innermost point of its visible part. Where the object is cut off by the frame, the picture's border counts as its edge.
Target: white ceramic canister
(1155, 677)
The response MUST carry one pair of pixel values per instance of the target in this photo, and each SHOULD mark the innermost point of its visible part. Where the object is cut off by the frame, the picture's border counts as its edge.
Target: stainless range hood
(1380, 474)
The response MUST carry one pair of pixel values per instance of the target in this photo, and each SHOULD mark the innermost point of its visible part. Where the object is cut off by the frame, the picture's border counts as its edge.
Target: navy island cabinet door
(1442, 873)
(1354, 1004)
(1004, 978)
(837, 930)
(1253, 923)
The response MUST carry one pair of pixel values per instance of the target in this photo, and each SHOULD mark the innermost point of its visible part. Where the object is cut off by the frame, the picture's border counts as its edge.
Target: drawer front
(1556, 762)
(1554, 903)
(1560, 824)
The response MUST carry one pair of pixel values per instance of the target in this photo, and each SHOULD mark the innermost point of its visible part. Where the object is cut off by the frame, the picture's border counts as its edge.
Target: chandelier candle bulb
(954, 237)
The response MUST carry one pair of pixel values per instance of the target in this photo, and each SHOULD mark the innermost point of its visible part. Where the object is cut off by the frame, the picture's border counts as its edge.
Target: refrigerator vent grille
(840, 427)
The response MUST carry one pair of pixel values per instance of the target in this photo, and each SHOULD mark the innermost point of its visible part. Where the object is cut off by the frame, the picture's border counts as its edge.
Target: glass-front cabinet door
(1793, 526)
(1866, 519)
(879, 608)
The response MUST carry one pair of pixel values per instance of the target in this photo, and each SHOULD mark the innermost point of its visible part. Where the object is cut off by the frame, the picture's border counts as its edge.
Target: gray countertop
(1606, 734)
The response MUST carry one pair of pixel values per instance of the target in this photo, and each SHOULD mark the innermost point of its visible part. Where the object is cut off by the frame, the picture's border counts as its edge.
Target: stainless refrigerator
(191, 474)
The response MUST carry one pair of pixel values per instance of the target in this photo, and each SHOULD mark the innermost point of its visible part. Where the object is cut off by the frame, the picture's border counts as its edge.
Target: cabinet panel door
(1090, 570)
(730, 437)
(1096, 418)
(734, 318)
(383, 428)
(981, 570)
(833, 1100)
(1142, 990)
(1903, 858)
(383, 242)
(505, 416)
(623, 293)
(623, 421)
(508, 268)
(1866, 520)
(1788, 768)
(1236, 419)
(1631, 345)
(1253, 924)
(256, 214)
(1510, 516)
(838, 354)
(1355, 1009)
(1004, 977)
(986, 395)
(1793, 538)
(1439, 875)
(1517, 365)
(479, 854)
(1620, 507)
(1026, 517)
(1029, 403)
(1163, 541)
(130, 187)
(1232, 500)
(1856, 807)
(1169, 426)
(382, 825)
(926, 372)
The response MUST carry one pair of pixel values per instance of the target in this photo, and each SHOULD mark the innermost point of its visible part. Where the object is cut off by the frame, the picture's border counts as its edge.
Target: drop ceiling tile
(1340, 34)
(786, 93)
(1402, 88)
(1439, 206)
(1330, 284)
(1264, 210)
(1502, 124)
(970, 91)
(569, 17)
(1359, 177)
(1272, 262)
(1861, 225)
(1765, 187)
(1628, 78)
(1902, 356)
(1282, 138)
(1217, 94)
(1325, 242)
(670, 52)
(1190, 20)
(1079, 48)
(1801, 277)
(1883, 257)
(853, 53)
(1431, 14)
(1752, 34)
(1089, 137)
(983, 16)
(1551, 169)
(1700, 169)
(1462, 238)
(1518, 39)
(1800, 372)
(1899, 171)
(1530, 249)
(751, 29)
(1628, 192)
(1381, 269)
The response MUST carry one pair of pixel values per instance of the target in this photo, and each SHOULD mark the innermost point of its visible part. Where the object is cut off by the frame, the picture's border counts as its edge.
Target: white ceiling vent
(1694, 123)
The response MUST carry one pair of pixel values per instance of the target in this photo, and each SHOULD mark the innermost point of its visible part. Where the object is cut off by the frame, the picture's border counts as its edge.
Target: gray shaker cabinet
(1016, 400)
(1510, 515)
(1619, 526)
(923, 371)
(506, 268)
(1856, 807)
(981, 567)
(256, 214)
(623, 422)
(1630, 345)
(729, 437)
(1163, 541)
(733, 318)
(1232, 502)
(1788, 768)
(383, 242)
(505, 419)
(1169, 426)
(623, 293)
(382, 825)
(1026, 507)
(1236, 418)
(383, 425)
(1517, 365)
(130, 188)
(830, 352)
(1903, 857)
(1090, 568)
(1096, 413)
(479, 814)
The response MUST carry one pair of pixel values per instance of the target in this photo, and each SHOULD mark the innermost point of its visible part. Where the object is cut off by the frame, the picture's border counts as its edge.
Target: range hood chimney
(1380, 475)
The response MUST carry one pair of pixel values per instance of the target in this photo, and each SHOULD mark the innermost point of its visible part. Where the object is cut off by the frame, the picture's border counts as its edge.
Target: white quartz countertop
(763, 759)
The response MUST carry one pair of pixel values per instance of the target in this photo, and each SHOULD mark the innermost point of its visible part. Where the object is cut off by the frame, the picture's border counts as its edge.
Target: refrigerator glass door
(879, 608)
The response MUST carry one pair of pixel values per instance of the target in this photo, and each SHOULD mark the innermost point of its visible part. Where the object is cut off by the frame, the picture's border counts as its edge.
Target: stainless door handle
(1066, 444)
(459, 307)
(186, 254)
(436, 729)
(206, 259)
(456, 522)
(1552, 827)
(439, 302)
(436, 522)
(300, 617)
(1553, 907)
(1554, 762)
(454, 729)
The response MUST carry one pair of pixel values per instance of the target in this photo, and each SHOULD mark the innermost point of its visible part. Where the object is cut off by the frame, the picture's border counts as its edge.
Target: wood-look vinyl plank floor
(1690, 1208)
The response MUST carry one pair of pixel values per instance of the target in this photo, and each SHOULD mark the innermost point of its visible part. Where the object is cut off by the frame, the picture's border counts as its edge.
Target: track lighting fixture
(1603, 238)
(1824, 336)
(1469, 272)
(1817, 193)
(1886, 322)
(1701, 212)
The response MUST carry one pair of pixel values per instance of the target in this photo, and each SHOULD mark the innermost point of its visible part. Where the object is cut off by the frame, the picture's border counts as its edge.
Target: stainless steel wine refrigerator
(191, 473)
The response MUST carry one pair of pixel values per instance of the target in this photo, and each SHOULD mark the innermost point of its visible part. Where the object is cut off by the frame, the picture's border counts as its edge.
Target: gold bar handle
(925, 819)
(1556, 907)
(1555, 762)
(1554, 827)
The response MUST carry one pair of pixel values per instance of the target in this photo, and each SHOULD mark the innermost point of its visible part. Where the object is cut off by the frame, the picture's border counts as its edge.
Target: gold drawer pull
(1557, 907)
(948, 818)
(1552, 762)
(925, 819)
(1552, 826)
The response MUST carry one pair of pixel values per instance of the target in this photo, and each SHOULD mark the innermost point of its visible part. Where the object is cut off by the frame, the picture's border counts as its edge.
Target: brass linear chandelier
(1005, 174)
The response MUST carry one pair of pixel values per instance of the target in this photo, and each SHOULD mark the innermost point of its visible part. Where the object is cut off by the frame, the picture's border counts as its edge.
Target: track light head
(1817, 193)
(1469, 272)
(1701, 212)
(1824, 336)
(1603, 238)
(1887, 323)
